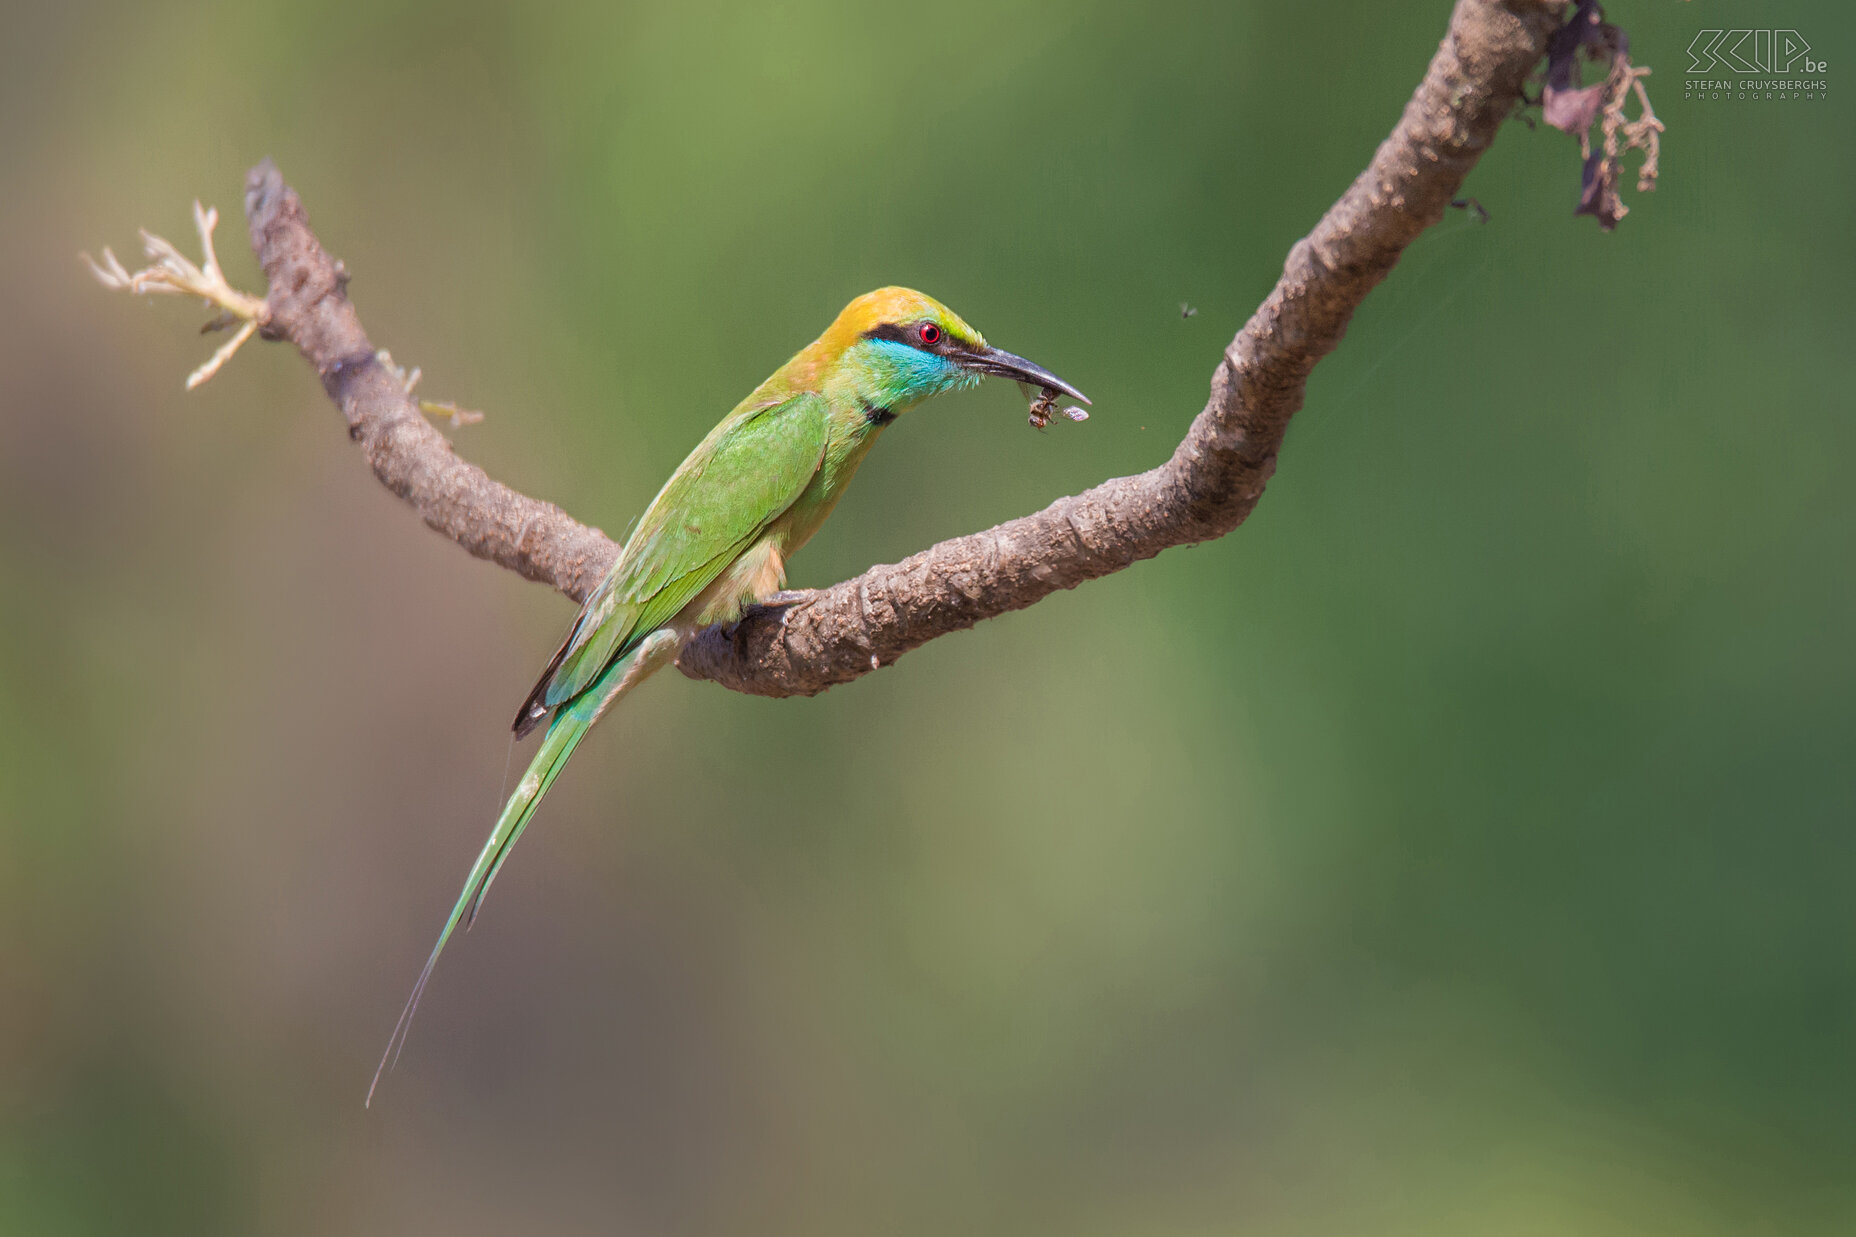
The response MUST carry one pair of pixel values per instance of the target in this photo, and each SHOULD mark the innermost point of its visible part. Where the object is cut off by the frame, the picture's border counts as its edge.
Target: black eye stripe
(911, 334)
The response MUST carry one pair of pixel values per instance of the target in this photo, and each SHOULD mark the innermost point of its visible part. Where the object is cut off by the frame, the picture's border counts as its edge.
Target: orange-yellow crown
(896, 306)
(883, 307)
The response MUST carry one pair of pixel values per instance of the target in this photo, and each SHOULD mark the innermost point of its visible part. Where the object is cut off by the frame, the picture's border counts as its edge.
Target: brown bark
(1206, 489)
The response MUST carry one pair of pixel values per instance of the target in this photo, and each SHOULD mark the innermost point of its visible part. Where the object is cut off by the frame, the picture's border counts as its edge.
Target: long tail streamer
(565, 731)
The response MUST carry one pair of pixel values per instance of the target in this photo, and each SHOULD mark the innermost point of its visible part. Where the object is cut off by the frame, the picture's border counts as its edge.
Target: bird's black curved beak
(990, 360)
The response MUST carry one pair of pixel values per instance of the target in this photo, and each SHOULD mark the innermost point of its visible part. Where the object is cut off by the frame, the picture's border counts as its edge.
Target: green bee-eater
(717, 536)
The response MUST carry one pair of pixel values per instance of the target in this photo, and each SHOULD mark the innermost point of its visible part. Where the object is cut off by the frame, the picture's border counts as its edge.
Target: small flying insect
(1473, 206)
(1185, 310)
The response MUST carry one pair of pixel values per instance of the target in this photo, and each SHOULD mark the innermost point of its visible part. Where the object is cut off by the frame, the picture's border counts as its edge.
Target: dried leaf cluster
(1569, 106)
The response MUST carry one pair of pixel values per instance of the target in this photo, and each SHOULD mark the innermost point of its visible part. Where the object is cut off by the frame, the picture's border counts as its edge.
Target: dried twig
(173, 274)
(431, 407)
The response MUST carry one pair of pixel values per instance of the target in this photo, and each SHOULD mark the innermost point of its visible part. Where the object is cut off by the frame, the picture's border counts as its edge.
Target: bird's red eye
(930, 334)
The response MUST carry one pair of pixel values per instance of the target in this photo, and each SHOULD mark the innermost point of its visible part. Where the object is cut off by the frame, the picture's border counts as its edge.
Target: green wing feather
(737, 481)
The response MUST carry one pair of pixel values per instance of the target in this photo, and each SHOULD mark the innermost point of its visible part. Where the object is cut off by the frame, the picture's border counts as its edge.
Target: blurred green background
(1462, 847)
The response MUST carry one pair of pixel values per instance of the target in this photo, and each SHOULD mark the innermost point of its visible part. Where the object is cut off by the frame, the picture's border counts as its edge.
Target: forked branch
(1208, 487)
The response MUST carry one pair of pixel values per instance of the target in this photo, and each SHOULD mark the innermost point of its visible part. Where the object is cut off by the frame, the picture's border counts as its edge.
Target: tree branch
(309, 306)
(1208, 487)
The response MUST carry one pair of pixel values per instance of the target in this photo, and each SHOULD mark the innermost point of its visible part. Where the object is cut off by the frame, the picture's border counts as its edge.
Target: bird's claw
(772, 603)
(785, 599)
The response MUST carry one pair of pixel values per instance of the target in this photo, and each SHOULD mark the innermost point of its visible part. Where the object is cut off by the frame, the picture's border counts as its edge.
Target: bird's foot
(785, 599)
(772, 603)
